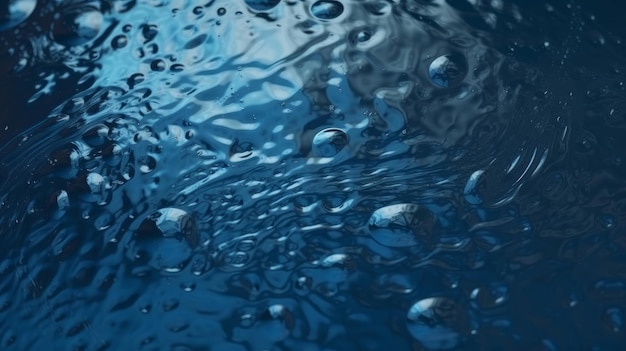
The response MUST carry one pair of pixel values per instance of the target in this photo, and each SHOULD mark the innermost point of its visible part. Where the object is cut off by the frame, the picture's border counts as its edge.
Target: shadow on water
(316, 175)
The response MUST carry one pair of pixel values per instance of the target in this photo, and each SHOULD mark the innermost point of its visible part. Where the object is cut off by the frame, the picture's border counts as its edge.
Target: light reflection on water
(345, 175)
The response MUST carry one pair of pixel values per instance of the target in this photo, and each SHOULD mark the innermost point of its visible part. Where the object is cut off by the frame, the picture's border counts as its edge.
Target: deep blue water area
(306, 175)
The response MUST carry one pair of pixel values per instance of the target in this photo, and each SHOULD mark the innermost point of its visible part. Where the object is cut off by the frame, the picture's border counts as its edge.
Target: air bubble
(448, 71)
(77, 26)
(221, 11)
(329, 142)
(327, 9)
(401, 225)
(14, 12)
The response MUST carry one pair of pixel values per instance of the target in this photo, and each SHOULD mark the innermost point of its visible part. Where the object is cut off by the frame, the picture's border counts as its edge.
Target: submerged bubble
(401, 225)
(448, 70)
(437, 323)
(77, 26)
(327, 9)
(14, 12)
(261, 5)
(328, 142)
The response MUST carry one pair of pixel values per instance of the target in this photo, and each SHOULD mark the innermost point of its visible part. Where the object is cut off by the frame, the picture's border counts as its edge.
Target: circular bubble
(327, 9)
(328, 142)
(14, 12)
(401, 225)
(448, 70)
(437, 323)
(261, 5)
(77, 26)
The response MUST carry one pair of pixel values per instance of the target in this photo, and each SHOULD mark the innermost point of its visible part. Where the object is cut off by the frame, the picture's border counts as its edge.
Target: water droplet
(147, 164)
(378, 8)
(157, 65)
(14, 12)
(165, 239)
(489, 297)
(327, 9)
(362, 36)
(448, 71)
(119, 41)
(261, 5)
(329, 142)
(77, 26)
(149, 32)
(401, 225)
(437, 323)
(240, 151)
(135, 79)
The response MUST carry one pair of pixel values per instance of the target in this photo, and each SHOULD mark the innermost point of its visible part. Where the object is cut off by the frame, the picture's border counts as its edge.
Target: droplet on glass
(262, 5)
(437, 323)
(327, 9)
(328, 142)
(448, 71)
(401, 225)
(14, 12)
(77, 26)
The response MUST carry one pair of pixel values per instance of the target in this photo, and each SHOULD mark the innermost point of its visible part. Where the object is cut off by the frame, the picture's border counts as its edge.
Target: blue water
(312, 175)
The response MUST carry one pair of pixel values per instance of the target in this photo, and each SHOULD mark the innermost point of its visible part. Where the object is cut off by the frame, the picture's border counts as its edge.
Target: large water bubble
(77, 26)
(262, 5)
(401, 225)
(14, 12)
(165, 240)
(327, 9)
(437, 323)
(448, 70)
(328, 142)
